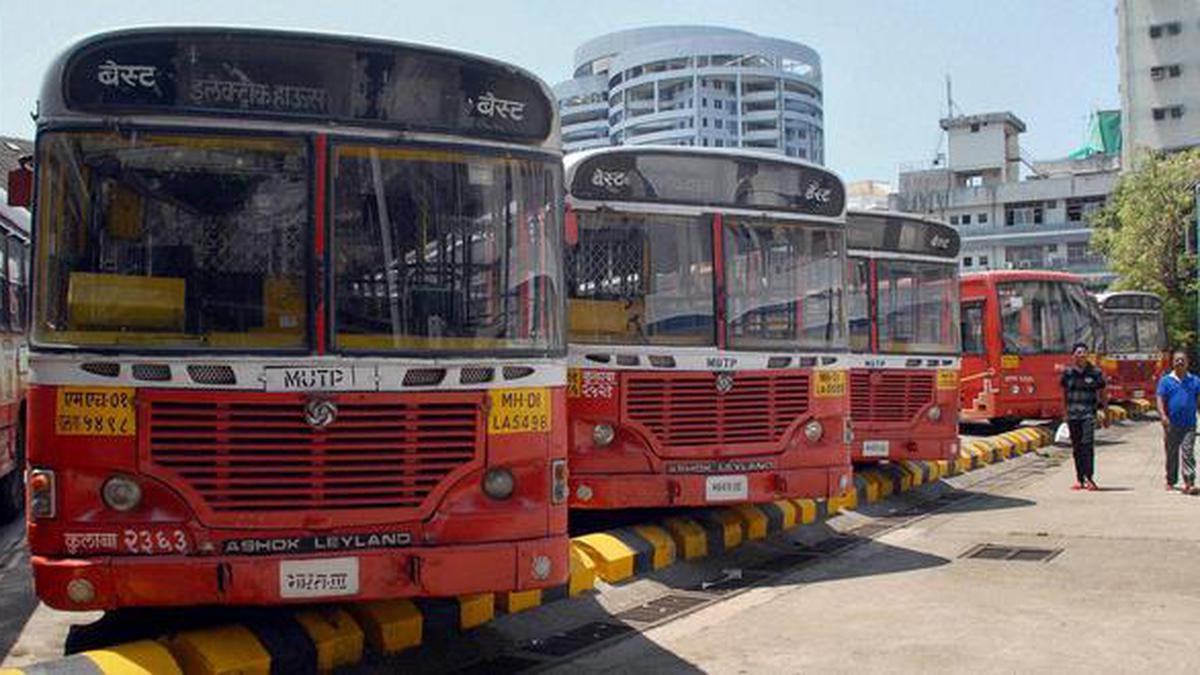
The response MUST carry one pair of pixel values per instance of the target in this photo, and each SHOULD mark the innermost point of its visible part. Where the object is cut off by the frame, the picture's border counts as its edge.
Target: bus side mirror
(571, 227)
(20, 185)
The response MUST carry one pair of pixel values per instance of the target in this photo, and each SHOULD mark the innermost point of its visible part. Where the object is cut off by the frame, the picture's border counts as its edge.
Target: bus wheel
(12, 496)
(12, 486)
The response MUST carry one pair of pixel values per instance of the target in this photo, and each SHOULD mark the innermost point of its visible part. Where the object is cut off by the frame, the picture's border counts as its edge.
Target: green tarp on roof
(1104, 135)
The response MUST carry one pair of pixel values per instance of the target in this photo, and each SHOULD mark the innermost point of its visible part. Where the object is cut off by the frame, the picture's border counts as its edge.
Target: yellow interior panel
(121, 301)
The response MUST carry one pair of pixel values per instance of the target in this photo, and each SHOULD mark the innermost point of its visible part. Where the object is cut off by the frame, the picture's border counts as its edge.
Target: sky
(885, 62)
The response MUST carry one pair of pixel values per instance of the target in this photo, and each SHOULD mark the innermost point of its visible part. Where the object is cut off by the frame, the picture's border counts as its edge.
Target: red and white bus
(903, 304)
(1135, 343)
(298, 332)
(706, 328)
(14, 272)
(1018, 327)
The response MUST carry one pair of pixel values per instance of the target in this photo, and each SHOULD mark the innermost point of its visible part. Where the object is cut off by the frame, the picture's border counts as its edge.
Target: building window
(967, 261)
(704, 142)
(704, 121)
(953, 220)
(1170, 28)
(704, 103)
(966, 219)
(974, 181)
(1173, 111)
(717, 85)
(718, 103)
(1160, 72)
(1029, 213)
(974, 128)
(1077, 253)
(719, 123)
(981, 219)
(719, 143)
(1022, 257)
(983, 261)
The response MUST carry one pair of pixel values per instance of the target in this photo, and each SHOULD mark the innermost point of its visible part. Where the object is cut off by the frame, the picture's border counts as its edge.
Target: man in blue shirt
(1178, 392)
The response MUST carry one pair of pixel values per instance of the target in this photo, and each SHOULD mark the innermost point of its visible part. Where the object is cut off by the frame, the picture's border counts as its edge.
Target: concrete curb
(323, 639)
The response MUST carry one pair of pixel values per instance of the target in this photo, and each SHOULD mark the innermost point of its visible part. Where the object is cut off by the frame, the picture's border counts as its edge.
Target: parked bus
(1135, 341)
(902, 287)
(706, 329)
(299, 329)
(1018, 327)
(14, 271)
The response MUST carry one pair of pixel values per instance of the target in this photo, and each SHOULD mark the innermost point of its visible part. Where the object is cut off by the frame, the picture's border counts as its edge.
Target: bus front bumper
(104, 583)
(623, 491)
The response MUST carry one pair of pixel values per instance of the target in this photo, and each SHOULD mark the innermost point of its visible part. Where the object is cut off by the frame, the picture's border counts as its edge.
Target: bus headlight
(121, 493)
(603, 434)
(42, 502)
(499, 483)
(813, 431)
(934, 414)
(1016, 389)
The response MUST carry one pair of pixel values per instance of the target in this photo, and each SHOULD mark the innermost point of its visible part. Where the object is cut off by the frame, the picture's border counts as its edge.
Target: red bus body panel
(236, 482)
(675, 431)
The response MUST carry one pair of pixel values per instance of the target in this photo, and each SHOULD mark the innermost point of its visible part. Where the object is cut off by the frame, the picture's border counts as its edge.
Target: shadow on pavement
(17, 599)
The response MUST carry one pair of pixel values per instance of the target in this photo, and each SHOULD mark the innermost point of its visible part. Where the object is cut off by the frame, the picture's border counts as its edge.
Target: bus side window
(5, 283)
(972, 328)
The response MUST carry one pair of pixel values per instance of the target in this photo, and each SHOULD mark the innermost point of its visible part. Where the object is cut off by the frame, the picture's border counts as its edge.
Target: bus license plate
(875, 448)
(309, 378)
(726, 488)
(325, 578)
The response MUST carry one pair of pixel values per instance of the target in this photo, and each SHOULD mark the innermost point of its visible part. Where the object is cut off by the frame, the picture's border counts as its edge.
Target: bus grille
(259, 455)
(685, 409)
(1135, 372)
(894, 397)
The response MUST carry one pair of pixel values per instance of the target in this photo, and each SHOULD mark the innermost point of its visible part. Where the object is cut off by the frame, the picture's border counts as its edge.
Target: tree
(1144, 232)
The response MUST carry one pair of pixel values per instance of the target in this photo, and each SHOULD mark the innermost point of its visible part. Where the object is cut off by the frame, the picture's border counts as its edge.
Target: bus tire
(12, 496)
(1002, 424)
(12, 485)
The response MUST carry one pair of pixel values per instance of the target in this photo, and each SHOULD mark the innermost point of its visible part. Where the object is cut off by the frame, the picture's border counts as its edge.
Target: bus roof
(1022, 275)
(1134, 300)
(708, 177)
(895, 232)
(296, 76)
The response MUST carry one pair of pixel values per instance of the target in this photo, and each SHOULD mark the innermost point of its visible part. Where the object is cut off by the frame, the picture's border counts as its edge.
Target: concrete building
(868, 194)
(692, 85)
(1158, 46)
(1007, 222)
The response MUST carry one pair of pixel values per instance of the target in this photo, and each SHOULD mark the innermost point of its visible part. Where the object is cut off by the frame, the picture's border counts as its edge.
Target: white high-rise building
(692, 85)
(1159, 53)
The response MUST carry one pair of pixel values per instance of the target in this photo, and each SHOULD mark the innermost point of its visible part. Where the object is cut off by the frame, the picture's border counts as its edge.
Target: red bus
(706, 330)
(14, 257)
(903, 304)
(1018, 327)
(298, 332)
(1135, 343)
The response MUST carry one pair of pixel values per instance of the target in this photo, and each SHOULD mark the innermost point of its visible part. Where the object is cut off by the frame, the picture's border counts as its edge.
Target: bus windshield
(641, 279)
(917, 307)
(1130, 333)
(785, 285)
(445, 251)
(173, 241)
(1046, 317)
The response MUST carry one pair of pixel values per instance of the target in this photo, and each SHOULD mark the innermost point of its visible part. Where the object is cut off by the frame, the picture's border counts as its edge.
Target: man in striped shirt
(1083, 392)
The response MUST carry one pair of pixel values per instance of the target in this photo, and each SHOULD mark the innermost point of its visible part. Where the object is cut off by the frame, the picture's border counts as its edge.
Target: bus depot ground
(1000, 569)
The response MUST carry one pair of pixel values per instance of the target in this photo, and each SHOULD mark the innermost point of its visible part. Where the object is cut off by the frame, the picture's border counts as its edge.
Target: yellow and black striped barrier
(338, 636)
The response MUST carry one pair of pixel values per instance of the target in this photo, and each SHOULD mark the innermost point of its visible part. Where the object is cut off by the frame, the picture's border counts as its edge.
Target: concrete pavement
(1123, 593)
